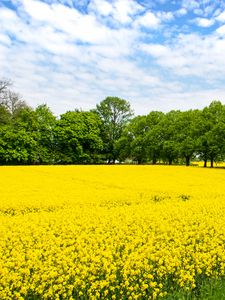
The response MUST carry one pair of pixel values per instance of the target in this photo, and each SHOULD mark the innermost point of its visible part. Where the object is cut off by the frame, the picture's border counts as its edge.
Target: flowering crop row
(109, 232)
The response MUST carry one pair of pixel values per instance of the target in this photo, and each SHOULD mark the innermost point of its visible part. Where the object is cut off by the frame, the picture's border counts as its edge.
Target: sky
(157, 54)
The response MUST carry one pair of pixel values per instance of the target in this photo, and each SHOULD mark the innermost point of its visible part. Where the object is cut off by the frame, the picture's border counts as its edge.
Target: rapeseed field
(110, 232)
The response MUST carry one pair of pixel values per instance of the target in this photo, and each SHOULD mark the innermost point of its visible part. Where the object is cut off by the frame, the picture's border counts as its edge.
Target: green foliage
(4, 115)
(115, 114)
(77, 137)
(107, 133)
(208, 289)
(17, 146)
(46, 123)
(209, 133)
(132, 141)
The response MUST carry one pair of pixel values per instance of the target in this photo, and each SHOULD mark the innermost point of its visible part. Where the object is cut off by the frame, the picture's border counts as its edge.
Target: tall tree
(154, 135)
(14, 103)
(17, 146)
(131, 144)
(185, 129)
(10, 102)
(170, 146)
(18, 139)
(4, 86)
(209, 132)
(115, 113)
(4, 115)
(77, 137)
(46, 123)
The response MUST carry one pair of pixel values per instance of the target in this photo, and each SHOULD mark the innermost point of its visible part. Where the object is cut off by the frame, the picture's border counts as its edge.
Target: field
(112, 232)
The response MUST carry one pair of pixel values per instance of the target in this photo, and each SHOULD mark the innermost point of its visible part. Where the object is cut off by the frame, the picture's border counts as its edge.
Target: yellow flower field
(109, 232)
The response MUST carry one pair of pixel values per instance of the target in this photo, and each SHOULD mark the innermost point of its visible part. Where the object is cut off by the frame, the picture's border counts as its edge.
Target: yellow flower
(100, 231)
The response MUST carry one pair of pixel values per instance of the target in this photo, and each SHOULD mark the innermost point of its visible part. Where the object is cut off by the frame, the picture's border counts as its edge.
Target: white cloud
(209, 9)
(148, 20)
(50, 66)
(38, 10)
(181, 12)
(102, 7)
(192, 55)
(182, 100)
(5, 39)
(84, 28)
(70, 59)
(191, 4)
(165, 16)
(6, 14)
(203, 8)
(221, 17)
(155, 50)
(125, 9)
(198, 11)
(203, 22)
(122, 11)
(221, 30)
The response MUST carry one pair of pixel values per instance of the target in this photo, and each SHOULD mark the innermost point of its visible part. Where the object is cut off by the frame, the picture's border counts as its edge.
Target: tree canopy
(108, 133)
(115, 114)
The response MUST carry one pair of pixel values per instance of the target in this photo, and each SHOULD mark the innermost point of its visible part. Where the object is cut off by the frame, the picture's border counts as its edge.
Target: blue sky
(159, 54)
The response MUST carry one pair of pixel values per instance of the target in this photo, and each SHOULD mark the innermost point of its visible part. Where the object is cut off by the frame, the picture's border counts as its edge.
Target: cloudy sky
(157, 54)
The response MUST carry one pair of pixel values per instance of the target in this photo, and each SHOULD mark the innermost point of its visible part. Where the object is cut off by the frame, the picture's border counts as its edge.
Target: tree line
(108, 133)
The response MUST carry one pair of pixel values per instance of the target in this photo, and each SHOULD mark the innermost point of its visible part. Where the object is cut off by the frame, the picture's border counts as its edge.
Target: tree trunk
(211, 162)
(170, 161)
(154, 160)
(187, 161)
(205, 163)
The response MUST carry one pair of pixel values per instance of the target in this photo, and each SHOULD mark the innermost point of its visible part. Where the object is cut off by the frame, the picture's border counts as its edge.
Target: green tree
(46, 123)
(17, 146)
(153, 137)
(115, 114)
(13, 103)
(4, 115)
(185, 129)
(77, 137)
(18, 140)
(132, 140)
(210, 134)
(4, 112)
(168, 136)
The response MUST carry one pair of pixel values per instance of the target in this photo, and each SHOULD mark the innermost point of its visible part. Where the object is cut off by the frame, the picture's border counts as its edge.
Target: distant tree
(18, 142)
(14, 103)
(107, 133)
(4, 86)
(10, 102)
(185, 134)
(131, 144)
(17, 146)
(153, 138)
(168, 132)
(140, 140)
(123, 148)
(114, 113)
(46, 123)
(137, 130)
(77, 137)
(210, 133)
(25, 118)
(4, 115)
